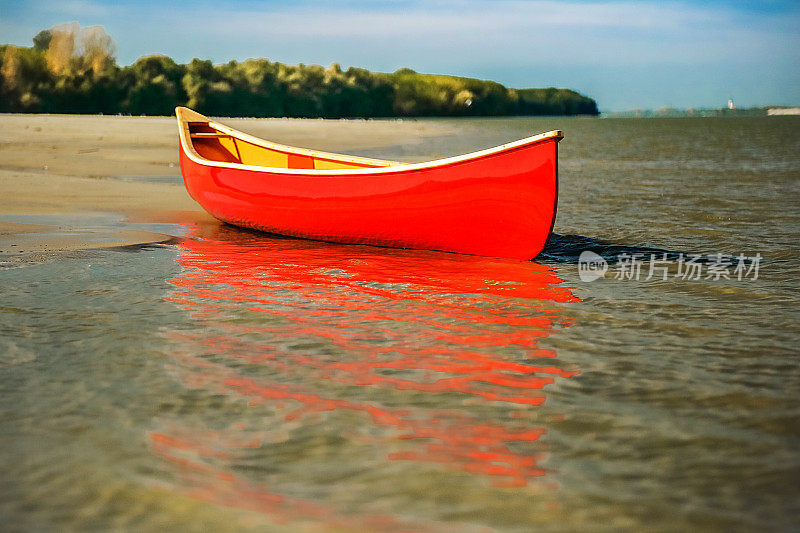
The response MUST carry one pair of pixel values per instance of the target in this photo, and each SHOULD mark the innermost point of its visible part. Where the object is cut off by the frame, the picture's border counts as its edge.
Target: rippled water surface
(239, 381)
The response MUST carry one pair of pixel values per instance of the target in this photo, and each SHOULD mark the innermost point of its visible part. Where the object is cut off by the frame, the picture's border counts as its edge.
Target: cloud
(511, 32)
(440, 31)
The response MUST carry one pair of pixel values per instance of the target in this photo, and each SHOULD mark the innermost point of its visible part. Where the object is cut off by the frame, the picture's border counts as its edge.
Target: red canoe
(499, 202)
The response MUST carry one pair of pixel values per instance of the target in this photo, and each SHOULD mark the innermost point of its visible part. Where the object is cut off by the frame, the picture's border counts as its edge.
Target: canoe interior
(216, 145)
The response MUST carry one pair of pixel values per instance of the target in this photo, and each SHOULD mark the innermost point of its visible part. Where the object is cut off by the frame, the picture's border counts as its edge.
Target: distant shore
(55, 76)
(56, 168)
(672, 112)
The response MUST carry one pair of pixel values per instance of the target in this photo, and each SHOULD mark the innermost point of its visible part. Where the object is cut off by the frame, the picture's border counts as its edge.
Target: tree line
(70, 69)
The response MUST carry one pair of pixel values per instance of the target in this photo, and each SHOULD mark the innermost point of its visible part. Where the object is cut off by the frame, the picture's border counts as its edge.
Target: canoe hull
(500, 205)
(499, 202)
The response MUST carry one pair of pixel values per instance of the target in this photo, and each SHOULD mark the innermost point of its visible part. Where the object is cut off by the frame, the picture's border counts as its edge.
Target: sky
(626, 54)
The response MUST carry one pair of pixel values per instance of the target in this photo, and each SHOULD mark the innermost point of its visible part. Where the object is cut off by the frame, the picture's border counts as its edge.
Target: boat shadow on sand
(568, 248)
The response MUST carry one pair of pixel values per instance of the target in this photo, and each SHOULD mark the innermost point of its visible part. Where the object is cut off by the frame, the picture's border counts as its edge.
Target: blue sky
(625, 54)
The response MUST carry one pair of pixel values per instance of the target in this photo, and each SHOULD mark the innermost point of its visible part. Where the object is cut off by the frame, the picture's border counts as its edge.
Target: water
(236, 381)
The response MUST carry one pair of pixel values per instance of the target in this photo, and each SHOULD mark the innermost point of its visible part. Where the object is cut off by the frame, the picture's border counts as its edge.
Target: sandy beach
(55, 167)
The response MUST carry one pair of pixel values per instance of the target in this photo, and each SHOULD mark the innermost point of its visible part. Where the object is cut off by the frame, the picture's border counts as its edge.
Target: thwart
(499, 202)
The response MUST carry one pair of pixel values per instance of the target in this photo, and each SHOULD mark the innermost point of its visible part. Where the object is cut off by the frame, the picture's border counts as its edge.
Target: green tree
(155, 86)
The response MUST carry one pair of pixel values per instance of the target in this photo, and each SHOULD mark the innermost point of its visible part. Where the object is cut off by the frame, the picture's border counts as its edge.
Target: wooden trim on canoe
(186, 116)
(200, 135)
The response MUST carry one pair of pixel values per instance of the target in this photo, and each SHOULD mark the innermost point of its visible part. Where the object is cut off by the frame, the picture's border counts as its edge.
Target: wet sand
(82, 164)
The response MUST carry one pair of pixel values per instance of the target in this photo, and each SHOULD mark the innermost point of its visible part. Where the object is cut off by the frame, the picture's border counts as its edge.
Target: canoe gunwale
(185, 116)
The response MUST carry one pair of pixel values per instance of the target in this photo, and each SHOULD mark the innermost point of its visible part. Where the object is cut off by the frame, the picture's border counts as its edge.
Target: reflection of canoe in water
(306, 374)
(497, 202)
(298, 355)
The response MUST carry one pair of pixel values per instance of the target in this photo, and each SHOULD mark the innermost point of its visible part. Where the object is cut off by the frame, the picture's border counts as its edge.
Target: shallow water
(237, 381)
